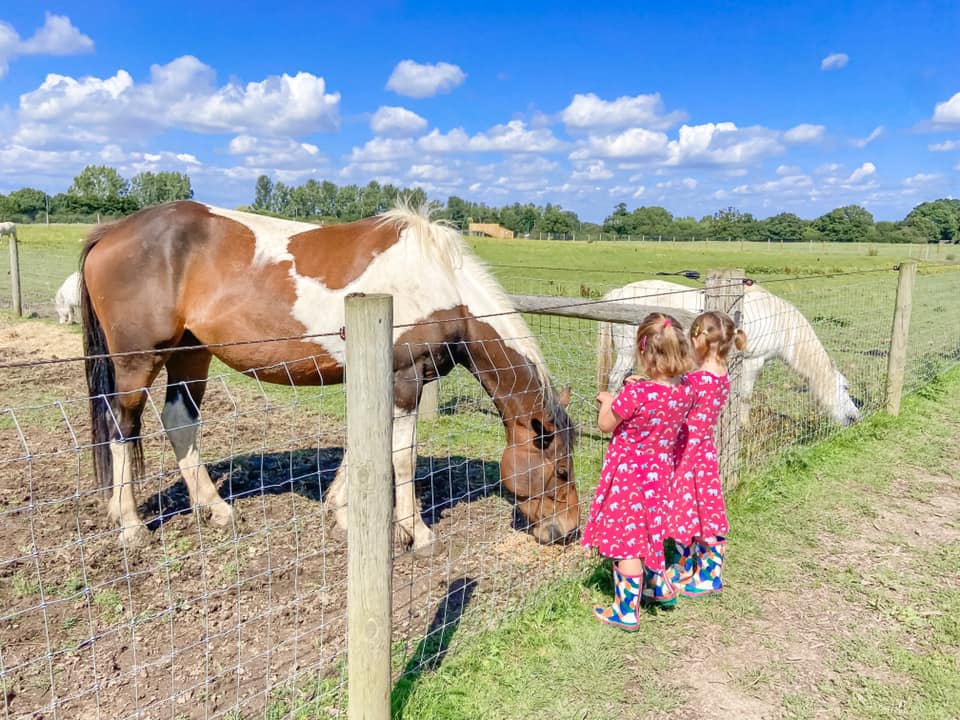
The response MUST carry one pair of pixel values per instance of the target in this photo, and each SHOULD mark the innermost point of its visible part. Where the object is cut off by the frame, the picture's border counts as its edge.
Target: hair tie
(666, 322)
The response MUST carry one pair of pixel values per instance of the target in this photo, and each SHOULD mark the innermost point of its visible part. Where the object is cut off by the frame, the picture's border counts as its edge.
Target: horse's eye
(562, 474)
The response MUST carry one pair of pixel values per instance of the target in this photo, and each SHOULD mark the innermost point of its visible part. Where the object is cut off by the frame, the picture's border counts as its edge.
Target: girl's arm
(607, 419)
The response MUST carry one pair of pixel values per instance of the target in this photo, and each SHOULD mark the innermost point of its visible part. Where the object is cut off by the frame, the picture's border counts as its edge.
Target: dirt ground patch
(798, 644)
(204, 620)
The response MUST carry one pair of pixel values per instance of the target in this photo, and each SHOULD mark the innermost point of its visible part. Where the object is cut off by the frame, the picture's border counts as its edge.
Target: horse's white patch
(272, 234)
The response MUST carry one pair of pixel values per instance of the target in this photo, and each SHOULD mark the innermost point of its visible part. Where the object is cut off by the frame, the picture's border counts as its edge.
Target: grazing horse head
(537, 467)
(844, 410)
(266, 296)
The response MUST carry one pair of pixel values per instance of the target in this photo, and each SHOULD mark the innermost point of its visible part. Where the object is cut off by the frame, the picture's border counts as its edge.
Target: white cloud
(787, 170)
(639, 191)
(391, 121)
(834, 61)
(417, 80)
(922, 179)
(513, 137)
(58, 36)
(632, 143)
(275, 152)
(863, 142)
(589, 112)
(382, 149)
(948, 112)
(804, 134)
(721, 144)
(677, 184)
(945, 146)
(829, 169)
(436, 173)
(179, 95)
(593, 171)
(862, 173)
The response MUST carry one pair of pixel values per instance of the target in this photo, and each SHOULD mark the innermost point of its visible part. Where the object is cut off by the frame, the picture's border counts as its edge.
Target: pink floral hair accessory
(643, 343)
(666, 322)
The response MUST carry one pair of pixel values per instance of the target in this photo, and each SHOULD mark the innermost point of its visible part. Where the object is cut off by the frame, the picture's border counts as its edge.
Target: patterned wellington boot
(706, 580)
(657, 589)
(680, 565)
(623, 613)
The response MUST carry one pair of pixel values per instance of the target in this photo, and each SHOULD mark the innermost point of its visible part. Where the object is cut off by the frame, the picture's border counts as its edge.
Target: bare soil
(794, 647)
(205, 621)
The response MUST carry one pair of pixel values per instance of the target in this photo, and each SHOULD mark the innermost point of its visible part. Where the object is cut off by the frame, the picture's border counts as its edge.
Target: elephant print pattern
(695, 505)
(627, 516)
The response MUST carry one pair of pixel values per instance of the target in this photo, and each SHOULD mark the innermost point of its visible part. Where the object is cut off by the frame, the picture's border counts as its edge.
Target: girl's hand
(633, 378)
(604, 397)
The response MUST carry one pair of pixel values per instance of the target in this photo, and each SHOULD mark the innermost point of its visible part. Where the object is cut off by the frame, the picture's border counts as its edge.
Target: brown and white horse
(186, 274)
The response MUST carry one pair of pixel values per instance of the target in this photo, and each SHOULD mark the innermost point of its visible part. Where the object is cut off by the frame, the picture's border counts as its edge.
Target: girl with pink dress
(627, 516)
(696, 516)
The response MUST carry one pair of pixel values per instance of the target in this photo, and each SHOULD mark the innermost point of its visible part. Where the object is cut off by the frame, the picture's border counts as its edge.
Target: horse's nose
(553, 534)
(857, 402)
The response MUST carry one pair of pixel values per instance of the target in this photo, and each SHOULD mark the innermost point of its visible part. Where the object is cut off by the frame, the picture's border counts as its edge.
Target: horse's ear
(543, 435)
(565, 396)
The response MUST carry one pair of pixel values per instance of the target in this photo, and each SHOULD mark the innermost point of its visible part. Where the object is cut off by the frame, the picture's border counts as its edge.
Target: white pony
(67, 299)
(774, 328)
(8, 228)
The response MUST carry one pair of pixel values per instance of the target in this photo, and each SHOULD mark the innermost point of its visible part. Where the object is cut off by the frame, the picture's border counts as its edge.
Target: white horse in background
(9, 229)
(67, 300)
(774, 328)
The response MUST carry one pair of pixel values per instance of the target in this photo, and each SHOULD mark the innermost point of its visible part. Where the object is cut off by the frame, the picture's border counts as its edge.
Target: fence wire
(249, 620)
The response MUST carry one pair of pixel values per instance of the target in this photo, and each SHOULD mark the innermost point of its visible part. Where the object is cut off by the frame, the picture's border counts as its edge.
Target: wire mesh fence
(248, 620)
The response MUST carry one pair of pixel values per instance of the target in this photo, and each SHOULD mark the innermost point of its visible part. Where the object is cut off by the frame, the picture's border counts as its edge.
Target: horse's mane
(440, 239)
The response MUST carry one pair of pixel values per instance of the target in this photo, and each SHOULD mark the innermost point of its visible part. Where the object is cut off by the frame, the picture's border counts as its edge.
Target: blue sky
(694, 106)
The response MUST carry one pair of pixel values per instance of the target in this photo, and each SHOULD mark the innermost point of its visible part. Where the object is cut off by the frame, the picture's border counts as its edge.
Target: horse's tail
(101, 375)
(604, 355)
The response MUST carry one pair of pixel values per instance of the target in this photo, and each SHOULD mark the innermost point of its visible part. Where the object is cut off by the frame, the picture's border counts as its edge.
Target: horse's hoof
(134, 536)
(426, 550)
(221, 515)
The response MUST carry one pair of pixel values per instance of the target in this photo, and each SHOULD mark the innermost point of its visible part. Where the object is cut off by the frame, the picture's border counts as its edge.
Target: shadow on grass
(431, 650)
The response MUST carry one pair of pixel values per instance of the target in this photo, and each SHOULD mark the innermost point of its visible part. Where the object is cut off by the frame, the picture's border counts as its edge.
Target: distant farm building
(489, 230)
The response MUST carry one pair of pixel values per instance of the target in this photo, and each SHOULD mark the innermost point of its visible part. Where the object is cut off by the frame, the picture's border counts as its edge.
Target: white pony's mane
(439, 238)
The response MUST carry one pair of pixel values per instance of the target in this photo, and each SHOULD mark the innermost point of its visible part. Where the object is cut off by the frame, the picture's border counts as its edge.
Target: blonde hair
(716, 329)
(662, 347)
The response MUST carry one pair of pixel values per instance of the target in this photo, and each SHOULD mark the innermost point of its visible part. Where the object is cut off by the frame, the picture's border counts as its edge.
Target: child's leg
(707, 579)
(623, 612)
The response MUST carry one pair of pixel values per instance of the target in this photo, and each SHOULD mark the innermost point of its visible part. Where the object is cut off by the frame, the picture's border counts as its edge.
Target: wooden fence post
(897, 355)
(15, 276)
(369, 384)
(724, 292)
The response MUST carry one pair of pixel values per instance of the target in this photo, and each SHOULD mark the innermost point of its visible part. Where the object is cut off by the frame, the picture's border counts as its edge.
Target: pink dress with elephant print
(627, 516)
(695, 503)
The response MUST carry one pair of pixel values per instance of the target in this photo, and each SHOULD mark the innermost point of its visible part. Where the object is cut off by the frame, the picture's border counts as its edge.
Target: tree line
(100, 191)
(327, 202)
